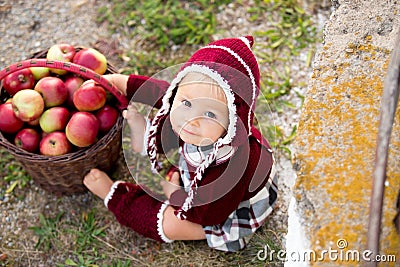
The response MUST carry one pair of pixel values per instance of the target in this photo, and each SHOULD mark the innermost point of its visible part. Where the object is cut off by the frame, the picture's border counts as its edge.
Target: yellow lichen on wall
(336, 151)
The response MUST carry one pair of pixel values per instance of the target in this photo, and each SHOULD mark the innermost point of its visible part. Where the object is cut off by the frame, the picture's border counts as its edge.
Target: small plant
(84, 260)
(279, 139)
(89, 230)
(47, 231)
(13, 173)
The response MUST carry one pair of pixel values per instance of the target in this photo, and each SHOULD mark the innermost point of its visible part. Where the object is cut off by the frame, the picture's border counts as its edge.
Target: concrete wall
(336, 141)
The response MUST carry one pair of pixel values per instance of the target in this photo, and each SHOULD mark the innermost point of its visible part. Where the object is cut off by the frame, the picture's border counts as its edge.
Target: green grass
(47, 232)
(162, 23)
(12, 173)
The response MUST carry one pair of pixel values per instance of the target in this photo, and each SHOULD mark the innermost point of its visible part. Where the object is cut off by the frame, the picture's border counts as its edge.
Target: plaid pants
(241, 224)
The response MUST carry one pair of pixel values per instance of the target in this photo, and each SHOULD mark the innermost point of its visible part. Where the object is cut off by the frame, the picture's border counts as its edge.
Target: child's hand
(172, 185)
(119, 80)
(133, 117)
(137, 125)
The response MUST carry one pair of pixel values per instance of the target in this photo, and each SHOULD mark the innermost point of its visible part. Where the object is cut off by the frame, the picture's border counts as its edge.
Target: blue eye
(210, 114)
(186, 103)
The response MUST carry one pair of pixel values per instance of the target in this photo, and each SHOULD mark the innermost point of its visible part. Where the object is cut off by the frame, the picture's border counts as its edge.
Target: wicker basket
(62, 175)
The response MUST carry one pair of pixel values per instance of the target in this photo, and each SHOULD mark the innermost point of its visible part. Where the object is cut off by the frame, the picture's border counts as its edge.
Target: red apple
(55, 144)
(19, 80)
(40, 72)
(82, 129)
(28, 105)
(61, 52)
(107, 117)
(54, 119)
(90, 97)
(72, 83)
(53, 91)
(27, 139)
(92, 59)
(44, 134)
(34, 122)
(9, 123)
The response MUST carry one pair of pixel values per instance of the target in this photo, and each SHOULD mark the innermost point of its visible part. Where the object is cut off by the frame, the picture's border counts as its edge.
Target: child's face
(199, 113)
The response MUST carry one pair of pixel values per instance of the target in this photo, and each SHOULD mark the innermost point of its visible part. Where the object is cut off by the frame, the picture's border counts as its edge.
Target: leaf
(12, 186)
(277, 43)
(292, 135)
(287, 150)
(70, 262)
(288, 104)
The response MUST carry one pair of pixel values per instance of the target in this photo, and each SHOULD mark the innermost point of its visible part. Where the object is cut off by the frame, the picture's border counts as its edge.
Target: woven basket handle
(71, 67)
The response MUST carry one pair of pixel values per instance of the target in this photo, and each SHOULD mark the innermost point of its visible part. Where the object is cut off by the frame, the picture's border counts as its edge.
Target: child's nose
(194, 122)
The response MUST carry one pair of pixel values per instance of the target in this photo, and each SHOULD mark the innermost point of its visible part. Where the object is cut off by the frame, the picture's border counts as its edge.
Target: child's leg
(176, 229)
(98, 183)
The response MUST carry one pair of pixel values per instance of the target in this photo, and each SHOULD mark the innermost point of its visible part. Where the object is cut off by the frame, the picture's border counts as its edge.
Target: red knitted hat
(233, 60)
(232, 65)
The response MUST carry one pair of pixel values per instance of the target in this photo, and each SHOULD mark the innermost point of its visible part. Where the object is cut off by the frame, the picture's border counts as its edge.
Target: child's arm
(137, 125)
(140, 88)
(171, 184)
(119, 80)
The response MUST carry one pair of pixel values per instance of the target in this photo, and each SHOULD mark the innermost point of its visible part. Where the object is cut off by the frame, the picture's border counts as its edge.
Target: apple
(19, 80)
(40, 72)
(34, 122)
(72, 83)
(28, 105)
(82, 129)
(107, 117)
(92, 59)
(44, 134)
(53, 91)
(9, 123)
(55, 144)
(61, 52)
(27, 139)
(54, 119)
(90, 96)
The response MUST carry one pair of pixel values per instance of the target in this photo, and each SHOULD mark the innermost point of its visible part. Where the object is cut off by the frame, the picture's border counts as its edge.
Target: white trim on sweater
(160, 218)
(111, 193)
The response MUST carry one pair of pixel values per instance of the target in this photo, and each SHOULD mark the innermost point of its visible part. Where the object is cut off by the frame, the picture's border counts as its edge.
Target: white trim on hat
(231, 131)
(233, 53)
(246, 41)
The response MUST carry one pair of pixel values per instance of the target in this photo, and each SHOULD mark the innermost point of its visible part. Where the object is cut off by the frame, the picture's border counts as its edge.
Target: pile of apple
(52, 112)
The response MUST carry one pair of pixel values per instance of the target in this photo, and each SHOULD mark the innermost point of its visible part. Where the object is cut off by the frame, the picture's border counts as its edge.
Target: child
(225, 164)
